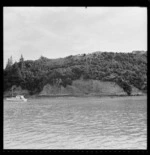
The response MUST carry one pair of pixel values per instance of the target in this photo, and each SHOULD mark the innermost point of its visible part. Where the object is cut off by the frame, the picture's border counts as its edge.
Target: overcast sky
(56, 32)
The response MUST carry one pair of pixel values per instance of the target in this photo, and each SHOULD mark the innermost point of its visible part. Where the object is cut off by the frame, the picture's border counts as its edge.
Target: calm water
(76, 123)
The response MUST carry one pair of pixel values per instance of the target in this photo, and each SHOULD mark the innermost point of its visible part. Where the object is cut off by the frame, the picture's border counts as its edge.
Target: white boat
(18, 98)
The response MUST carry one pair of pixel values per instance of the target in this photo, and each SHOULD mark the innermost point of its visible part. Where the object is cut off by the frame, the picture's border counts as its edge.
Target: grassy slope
(87, 87)
(80, 88)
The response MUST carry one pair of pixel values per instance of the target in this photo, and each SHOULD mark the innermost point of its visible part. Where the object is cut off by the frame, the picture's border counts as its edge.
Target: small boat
(18, 98)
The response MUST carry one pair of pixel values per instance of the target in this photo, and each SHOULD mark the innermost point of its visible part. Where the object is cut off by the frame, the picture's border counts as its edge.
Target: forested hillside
(125, 69)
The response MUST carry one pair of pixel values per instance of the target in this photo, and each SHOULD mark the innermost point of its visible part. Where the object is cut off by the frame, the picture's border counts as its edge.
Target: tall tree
(22, 67)
(22, 62)
(9, 63)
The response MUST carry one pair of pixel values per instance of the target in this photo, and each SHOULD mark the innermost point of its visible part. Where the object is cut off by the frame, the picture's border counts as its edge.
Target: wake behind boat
(18, 98)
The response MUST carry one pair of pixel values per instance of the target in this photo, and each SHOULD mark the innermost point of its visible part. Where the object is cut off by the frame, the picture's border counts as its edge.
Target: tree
(9, 63)
(16, 75)
(22, 67)
(123, 84)
(22, 63)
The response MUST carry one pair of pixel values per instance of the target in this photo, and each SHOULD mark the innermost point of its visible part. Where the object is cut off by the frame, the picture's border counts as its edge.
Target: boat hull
(16, 100)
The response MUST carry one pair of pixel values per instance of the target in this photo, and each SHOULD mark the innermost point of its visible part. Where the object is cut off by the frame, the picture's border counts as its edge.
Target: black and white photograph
(74, 78)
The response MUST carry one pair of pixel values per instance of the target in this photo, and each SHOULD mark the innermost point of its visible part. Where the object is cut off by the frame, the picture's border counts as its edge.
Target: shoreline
(80, 96)
(87, 97)
(83, 96)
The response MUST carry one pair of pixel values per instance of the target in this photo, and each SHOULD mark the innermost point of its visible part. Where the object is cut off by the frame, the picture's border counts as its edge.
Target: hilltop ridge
(127, 70)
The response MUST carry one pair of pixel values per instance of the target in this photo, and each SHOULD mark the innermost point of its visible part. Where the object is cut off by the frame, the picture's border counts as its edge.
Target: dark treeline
(126, 69)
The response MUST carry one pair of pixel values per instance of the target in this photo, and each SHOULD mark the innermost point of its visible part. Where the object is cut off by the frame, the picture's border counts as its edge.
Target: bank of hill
(98, 73)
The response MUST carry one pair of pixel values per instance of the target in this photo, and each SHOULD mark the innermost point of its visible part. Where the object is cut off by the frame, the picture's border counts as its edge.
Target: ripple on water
(76, 123)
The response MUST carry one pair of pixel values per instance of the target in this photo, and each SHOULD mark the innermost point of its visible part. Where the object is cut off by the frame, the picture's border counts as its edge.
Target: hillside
(125, 70)
(87, 87)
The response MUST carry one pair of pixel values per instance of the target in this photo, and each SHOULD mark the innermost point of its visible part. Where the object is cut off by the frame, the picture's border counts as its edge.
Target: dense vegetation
(126, 69)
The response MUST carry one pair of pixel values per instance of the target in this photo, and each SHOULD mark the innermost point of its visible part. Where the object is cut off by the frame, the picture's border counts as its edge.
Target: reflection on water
(76, 123)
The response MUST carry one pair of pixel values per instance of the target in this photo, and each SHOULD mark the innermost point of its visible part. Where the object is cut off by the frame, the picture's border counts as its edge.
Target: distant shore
(82, 95)
(101, 96)
(79, 88)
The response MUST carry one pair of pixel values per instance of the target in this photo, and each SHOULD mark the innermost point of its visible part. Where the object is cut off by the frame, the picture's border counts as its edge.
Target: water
(76, 123)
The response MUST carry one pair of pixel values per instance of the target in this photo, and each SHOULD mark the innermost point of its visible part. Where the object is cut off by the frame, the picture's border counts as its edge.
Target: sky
(55, 32)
